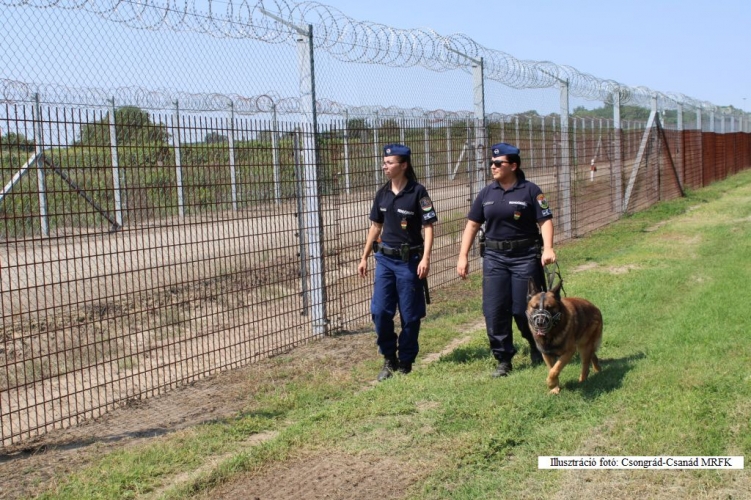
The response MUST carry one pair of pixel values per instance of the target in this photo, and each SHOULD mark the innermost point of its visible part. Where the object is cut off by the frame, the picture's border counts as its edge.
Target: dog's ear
(532, 289)
(557, 289)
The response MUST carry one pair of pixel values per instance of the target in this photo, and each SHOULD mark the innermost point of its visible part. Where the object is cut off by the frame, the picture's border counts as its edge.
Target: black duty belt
(511, 244)
(396, 252)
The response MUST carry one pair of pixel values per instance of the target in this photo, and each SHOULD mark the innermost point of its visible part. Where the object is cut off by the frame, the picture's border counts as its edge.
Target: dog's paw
(555, 390)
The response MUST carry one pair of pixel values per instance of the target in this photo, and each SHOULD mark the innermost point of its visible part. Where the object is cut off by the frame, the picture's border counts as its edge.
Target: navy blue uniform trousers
(397, 285)
(505, 276)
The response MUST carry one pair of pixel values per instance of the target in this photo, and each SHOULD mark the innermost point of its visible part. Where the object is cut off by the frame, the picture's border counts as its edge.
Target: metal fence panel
(194, 196)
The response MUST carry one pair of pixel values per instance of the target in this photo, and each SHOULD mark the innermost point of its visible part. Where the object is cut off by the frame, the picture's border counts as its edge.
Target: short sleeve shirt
(510, 214)
(403, 215)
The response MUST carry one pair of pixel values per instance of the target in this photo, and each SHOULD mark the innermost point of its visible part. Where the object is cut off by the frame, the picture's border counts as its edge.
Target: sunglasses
(498, 163)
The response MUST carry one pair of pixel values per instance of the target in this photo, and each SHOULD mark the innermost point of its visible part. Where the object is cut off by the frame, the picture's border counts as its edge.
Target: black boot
(404, 367)
(503, 369)
(390, 365)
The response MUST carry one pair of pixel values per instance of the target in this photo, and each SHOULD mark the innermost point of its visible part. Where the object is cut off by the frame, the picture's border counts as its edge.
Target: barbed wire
(17, 92)
(352, 40)
(13, 92)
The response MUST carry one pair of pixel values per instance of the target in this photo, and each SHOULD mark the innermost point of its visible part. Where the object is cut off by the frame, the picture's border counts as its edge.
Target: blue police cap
(396, 150)
(503, 149)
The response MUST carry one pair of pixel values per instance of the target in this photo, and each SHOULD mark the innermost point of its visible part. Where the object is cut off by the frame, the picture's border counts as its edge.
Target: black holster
(481, 241)
(404, 252)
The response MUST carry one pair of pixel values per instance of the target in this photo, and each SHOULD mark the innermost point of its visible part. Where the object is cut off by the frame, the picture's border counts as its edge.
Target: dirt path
(26, 471)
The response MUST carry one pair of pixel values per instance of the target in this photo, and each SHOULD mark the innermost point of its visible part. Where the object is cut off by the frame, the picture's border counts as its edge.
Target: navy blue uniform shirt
(512, 214)
(403, 214)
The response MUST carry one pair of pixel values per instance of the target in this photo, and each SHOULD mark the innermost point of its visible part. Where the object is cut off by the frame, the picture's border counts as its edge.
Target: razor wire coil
(351, 40)
(12, 91)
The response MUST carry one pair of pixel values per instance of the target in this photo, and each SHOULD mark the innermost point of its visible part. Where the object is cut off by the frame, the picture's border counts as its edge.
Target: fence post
(698, 119)
(178, 161)
(565, 163)
(41, 176)
(679, 151)
(481, 146)
(426, 136)
(376, 153)
(476, 181)
(275, 155)
(584, 151)
(448, 148)
(616, 173)
(711, 120)
(115, 165)
(300, 207)
(544, 144)
(531, 143)
(401, 127)
(346, 152)
(313, 216)
(232, 170)
(700, 126)
(575, 141)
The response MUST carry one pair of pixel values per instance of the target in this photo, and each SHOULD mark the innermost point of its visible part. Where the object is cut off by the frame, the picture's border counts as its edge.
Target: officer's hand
(548, 256)
(423, 268)
(362, 268)
(462, 267)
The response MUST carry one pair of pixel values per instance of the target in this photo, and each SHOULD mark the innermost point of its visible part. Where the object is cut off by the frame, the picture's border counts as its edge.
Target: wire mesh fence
(195, 197)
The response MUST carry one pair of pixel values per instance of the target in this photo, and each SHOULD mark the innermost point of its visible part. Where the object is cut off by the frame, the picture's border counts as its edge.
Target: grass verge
(672, 283)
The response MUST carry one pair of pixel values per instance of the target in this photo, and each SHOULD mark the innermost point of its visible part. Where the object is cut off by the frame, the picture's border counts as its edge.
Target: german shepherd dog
(561, 327)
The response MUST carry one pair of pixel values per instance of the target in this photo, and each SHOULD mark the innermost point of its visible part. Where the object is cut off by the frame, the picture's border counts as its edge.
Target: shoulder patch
(542, 201)
(426, 204)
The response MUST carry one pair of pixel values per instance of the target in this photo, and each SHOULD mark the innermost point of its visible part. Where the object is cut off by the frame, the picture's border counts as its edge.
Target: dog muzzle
(541, 320)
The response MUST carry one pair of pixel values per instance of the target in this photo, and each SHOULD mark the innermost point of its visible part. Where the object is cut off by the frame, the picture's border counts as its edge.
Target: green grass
(672, 283)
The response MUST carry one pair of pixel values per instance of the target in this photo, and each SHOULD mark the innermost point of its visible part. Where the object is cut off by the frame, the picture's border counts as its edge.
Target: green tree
(606, 111)
(358, 128)
(16, 142)
(357, 124)
(215, 138)
(132, 125)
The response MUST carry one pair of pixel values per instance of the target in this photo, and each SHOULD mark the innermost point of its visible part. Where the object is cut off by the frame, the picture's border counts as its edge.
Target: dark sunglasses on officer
(498, 163)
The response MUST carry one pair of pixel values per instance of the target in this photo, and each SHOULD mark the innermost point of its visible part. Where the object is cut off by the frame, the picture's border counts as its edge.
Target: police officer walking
(518, 243)
(401, 212)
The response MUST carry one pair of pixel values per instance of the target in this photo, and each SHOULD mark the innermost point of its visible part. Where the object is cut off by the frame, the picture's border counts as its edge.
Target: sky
(691, 47)
(694, 47)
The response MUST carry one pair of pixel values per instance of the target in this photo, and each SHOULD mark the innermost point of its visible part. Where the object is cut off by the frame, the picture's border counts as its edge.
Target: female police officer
(512, 209)
(401, 210)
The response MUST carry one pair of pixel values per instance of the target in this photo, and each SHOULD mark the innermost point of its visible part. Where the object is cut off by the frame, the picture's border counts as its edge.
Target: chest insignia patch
(517, 215)
(404, 224)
